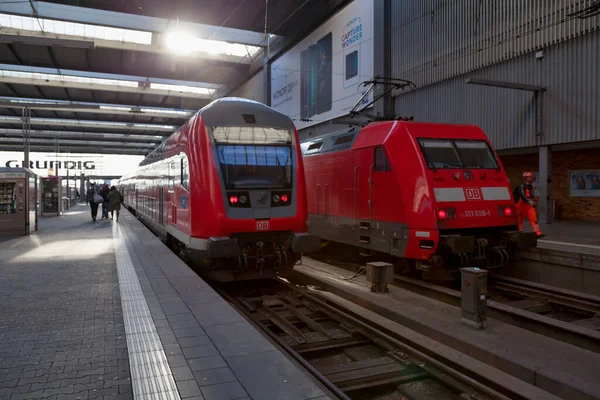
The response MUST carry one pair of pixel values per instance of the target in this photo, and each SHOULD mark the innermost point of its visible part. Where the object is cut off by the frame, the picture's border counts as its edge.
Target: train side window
(185, 176)
(381, 162)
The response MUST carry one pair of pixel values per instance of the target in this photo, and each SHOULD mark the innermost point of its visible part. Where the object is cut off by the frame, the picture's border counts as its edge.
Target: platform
(105, 309)
(581, 237)
(567, 258)
(556, 367)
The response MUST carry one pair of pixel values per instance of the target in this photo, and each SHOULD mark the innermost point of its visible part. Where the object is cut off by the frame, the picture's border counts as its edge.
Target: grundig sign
(52, 164)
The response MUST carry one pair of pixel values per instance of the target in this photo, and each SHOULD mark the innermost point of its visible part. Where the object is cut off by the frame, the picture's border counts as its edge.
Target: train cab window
(475, 154)
(185, 175)
(449, 153)
(381, 161)
(440, 153)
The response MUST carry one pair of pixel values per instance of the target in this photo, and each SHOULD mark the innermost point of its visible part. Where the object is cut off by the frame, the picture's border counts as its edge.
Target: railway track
(353, 358)
(561, 314)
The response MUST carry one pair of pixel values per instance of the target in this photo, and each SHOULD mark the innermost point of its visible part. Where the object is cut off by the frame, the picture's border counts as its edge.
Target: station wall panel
(253, 89)
(434, 40)
(569, 71)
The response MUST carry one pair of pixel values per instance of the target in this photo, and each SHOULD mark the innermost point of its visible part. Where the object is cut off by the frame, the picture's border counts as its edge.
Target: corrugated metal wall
(433, 40)
(571, 73)
(253, 89)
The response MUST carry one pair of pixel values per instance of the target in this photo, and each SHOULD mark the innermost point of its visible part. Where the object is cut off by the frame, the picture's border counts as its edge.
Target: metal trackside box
(380, 274)
(474, 297)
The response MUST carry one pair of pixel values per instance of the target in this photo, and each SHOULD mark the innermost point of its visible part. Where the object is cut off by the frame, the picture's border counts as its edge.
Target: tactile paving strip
(150, 373)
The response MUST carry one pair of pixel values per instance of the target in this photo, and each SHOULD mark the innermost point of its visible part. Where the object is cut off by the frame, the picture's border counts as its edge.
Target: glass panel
(246, 166)
(475, 154)
(251, 135)
(440, 154)
(458, 154)
(381, 161)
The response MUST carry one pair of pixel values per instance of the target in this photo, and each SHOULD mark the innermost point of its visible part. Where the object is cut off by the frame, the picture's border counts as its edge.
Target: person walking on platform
(114, 202)
(104, 193)
(523, 195)
(91, 193)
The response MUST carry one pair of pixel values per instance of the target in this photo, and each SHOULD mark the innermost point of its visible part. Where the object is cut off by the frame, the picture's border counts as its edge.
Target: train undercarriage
(247, 256)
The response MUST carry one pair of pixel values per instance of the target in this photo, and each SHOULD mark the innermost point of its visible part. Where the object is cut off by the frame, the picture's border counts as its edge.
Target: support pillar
(26, 117)
(267, 81)
(382, 51)
(545, 209)
(82, 188)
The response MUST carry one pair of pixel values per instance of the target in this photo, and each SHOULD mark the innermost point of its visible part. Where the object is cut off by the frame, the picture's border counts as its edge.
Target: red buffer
(227, 192)
(435, 195)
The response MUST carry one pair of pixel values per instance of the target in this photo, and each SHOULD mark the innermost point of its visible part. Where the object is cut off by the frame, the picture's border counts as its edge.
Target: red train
(435, 195)
(227, 192)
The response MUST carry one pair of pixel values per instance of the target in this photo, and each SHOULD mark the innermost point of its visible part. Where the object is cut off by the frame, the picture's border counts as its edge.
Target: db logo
(262, 225)
(473, 194)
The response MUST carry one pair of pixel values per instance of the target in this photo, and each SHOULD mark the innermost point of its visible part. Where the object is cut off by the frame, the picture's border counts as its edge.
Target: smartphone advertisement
(319, 79)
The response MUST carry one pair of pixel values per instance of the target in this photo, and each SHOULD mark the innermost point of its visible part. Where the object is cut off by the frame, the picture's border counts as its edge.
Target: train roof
(236, 111)
(349, 138)
(230, 111)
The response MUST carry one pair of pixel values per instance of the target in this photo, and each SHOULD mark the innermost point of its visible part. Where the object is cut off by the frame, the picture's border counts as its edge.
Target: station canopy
(117, 77)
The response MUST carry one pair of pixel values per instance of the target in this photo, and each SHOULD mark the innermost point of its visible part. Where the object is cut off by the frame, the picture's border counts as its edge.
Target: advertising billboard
(319, 78)
(584, 183)
(45, 164)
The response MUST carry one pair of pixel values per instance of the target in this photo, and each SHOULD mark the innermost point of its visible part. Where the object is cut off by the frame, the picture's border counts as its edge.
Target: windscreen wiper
(266, 193)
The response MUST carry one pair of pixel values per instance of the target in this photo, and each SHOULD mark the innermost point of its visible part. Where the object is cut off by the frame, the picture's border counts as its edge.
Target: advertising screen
(319, 78)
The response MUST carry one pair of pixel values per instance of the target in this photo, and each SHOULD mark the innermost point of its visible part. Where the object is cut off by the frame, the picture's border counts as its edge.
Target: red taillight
(508, 211)
(442, 214)
(284, 198)
(233, 199)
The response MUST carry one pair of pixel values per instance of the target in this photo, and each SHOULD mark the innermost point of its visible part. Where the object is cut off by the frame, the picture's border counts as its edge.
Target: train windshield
(252, 157)
(445, 153)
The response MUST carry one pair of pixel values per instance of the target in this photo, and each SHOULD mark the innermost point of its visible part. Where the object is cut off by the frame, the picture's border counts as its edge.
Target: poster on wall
(319, 79)
(584, 183)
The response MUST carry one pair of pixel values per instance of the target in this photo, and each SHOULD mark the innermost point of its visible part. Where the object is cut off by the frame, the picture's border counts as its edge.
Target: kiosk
(18, 202)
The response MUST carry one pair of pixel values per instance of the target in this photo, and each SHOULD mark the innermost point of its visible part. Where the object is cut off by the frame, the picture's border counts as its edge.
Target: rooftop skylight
(103, 81)
(75, 29)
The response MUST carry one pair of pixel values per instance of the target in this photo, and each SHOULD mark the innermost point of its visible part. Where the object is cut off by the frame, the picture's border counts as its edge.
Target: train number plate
(262, 225)
(478, 213)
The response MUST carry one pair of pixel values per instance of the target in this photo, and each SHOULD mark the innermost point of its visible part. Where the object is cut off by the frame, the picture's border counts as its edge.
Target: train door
(161, 207)
(381, 185)
(363, 175)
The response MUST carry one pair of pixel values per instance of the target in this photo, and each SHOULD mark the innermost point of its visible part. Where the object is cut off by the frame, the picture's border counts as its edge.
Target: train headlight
(445, 213)
(233, 199)
(505, 211)
(243, 199)
(275, 198)
(284, 198)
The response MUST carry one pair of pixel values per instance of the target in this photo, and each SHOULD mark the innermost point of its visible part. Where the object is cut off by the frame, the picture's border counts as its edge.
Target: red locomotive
(227, 192)
(432, 194)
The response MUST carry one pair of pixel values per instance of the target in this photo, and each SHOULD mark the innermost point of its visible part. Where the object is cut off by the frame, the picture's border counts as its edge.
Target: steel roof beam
(130, 21)
(39, 76)
(7, 119)
(75, 149)
(46, 39)
(81, 142)
(108, 137)
(96, 108)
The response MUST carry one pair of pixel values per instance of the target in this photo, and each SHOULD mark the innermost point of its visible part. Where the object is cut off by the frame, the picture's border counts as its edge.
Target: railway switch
(473, 297)
(380, 274)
